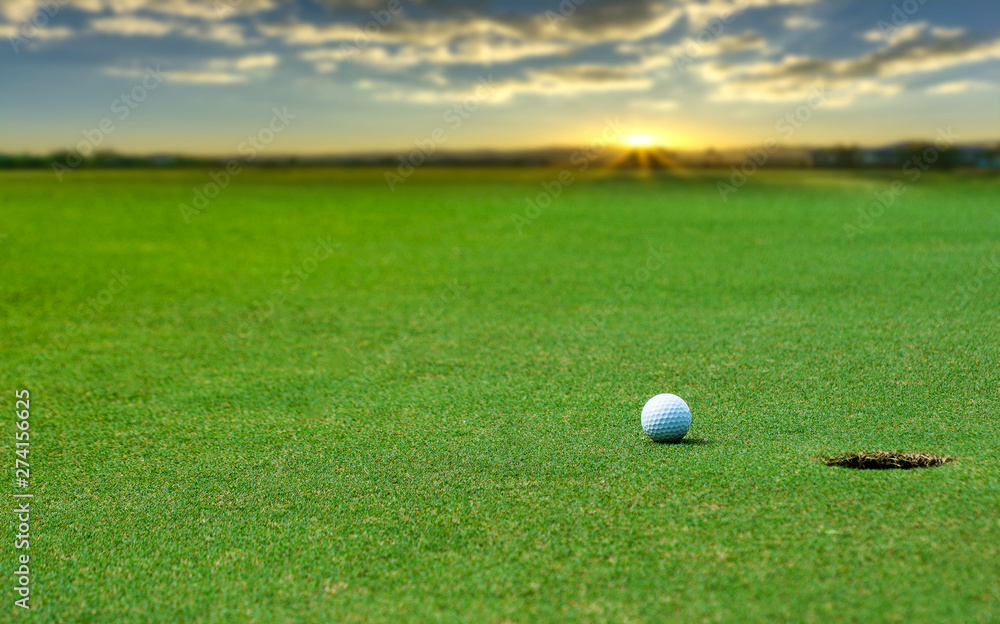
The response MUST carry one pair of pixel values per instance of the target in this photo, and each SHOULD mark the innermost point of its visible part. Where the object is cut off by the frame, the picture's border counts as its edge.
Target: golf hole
(887, 460)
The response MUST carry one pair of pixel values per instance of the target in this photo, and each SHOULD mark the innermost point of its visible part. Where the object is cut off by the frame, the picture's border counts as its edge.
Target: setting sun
(638, 140)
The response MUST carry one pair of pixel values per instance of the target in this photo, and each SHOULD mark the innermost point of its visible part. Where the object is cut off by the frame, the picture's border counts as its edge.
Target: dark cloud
(923, 50)
(917, 48)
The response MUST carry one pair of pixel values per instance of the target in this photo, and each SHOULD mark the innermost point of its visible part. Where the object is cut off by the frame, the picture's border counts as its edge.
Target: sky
(340, 76)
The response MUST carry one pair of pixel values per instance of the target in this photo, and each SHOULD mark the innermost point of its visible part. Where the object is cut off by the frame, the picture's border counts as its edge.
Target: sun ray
(668, 161)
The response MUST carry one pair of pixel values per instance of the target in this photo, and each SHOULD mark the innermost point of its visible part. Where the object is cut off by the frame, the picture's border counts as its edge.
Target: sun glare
(638, 140)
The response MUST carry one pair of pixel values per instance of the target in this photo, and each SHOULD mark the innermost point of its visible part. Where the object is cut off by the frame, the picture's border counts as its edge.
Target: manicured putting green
(322, 401)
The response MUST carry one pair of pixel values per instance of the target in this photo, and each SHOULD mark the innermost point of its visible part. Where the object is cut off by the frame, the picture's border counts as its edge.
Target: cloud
(912, 31)
(205, 21)
(132, 26)
(468, 52)
(592, 23)
(227, 70)
(253, 61)
(213, 71)
(17, 11)
(654, 105)
(14, 32)
(947, 33)
(801, 22)
(562, 81)
(192, 9)
(139, 26)
(911, 50)
(486, 51)
(656, 55)
(401, 42)
(838, 94)
(203, 77)
(206, 10)
(572, 80)
(701, 14)
(896, 35)
(611, 21)
(424, 44)
(306, 33)
(206, 77)
(229, 34)
(735, 43)
(959, 86)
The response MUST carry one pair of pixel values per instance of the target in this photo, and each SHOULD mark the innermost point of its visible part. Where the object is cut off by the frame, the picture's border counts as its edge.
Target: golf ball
(666, 418)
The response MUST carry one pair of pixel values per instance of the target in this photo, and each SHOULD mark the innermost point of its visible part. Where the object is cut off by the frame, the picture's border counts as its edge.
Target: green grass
(440, 422)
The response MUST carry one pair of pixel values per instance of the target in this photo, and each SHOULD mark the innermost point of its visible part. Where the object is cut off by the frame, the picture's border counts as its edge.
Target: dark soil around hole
(882, 460)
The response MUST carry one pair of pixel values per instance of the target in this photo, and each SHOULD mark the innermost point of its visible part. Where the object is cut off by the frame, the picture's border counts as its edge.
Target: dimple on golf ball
(666, 418)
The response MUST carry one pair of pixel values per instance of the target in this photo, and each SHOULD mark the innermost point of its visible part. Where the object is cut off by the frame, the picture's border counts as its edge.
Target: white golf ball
(666, 418)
